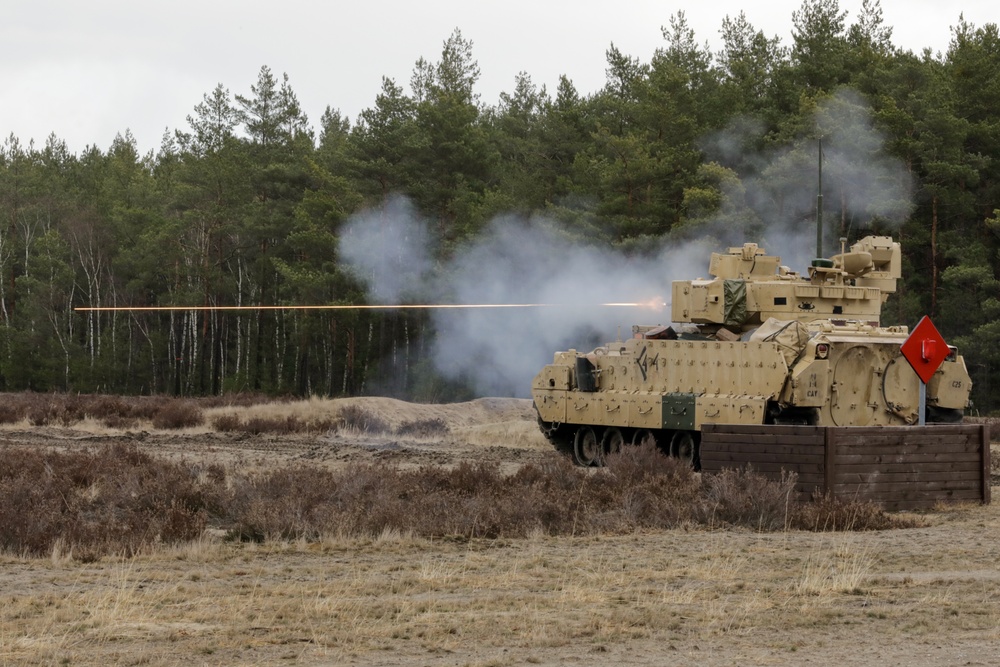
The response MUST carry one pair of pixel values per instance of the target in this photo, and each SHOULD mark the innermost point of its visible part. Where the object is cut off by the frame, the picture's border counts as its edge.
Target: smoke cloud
(514, 261)
(389, 248)
(532, 261)
(526, 261)
(863, 187)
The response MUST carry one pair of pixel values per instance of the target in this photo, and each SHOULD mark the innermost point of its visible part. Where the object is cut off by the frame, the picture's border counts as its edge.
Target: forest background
(249, 204)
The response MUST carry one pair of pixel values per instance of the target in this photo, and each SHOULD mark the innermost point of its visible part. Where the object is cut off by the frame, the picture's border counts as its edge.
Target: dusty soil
(922, 596)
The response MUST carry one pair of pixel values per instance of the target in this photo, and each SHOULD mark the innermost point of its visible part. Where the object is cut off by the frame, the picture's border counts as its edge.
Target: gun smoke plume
(514, 261)
(517, 260)
(390, 250)
(863, 186)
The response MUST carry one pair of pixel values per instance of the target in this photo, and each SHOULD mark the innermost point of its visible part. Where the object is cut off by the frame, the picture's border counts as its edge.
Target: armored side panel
(679, 411)
(950, 386)
(729, 409)
(809, 385)
(720, 302)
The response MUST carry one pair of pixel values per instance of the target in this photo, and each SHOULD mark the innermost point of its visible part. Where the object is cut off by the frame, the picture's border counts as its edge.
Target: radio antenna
(819, 204)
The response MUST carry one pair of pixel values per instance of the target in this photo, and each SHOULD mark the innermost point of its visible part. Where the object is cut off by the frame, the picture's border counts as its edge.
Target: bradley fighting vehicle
(755, 344)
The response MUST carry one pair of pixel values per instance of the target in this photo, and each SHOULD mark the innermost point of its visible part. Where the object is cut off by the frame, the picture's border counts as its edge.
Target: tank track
(560, 436)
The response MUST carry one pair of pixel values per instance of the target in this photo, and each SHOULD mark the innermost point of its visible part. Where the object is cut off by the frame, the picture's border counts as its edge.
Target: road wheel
(586, 448)
(641, 436)
(684, 446)
(612, 441)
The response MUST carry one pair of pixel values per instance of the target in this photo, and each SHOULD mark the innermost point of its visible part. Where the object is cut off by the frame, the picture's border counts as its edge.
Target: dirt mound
(456, 415)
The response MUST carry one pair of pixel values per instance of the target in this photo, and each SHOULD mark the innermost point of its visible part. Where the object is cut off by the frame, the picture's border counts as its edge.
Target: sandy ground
(921, 596)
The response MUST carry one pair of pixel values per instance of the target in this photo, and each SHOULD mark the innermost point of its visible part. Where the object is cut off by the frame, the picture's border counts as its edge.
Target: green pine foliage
(245, 204)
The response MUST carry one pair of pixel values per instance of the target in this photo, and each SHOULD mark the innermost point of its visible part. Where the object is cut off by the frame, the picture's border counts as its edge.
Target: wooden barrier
(911, 467)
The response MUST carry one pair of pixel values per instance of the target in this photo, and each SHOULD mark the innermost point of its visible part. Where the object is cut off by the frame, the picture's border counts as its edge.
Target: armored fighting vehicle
(756, 343)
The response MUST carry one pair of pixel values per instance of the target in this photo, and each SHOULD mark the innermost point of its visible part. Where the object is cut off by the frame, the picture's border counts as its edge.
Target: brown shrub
(742, 497)
(826, 513)
(322, 425)
(119, 422)
(651, 488)
(472, 500)
(274, 425)
(368, 499)
(423, 428)
(142, 407)
(107, 409)
(285, 504)
(465, 479)
(124, 412)
(69, 409)
(26, 405)
(115, 500)
(177, 414)
(36, 408)
(634, 465)
(120, 500)
(227, 423)
(41, 415)
(12, 412)
(356, 417)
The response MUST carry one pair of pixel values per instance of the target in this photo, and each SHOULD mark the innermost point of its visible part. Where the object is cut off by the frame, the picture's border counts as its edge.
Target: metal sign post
(922, 420)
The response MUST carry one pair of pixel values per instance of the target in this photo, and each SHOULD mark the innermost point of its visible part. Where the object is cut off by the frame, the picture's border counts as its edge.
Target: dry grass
(708, 597)
(845, 568)
(515, 434)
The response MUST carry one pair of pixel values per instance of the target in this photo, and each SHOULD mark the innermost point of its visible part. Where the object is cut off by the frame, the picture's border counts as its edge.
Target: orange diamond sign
(925, 349)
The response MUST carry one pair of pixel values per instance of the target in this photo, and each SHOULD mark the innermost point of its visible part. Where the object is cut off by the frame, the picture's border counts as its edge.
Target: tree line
(243, 206)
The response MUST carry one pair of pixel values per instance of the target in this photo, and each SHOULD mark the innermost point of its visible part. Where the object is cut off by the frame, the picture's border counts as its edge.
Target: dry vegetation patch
(119, 499)
(116, 500)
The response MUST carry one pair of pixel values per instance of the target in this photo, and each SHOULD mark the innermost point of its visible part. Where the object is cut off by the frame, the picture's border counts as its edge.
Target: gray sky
(89, 70)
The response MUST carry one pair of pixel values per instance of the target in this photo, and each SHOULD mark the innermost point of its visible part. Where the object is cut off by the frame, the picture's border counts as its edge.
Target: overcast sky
(89, 70)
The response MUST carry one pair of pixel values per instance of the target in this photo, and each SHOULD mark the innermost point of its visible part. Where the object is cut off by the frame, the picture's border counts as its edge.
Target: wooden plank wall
(897, 467)
(769, 449)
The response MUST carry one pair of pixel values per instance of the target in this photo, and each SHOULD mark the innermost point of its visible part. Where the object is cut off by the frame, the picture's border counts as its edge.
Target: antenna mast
(819, 204)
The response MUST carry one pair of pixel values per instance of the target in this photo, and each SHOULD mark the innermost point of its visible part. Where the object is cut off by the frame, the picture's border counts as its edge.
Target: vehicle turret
(748, 287)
